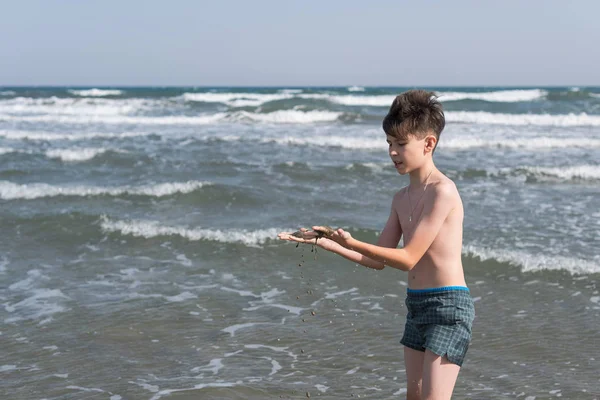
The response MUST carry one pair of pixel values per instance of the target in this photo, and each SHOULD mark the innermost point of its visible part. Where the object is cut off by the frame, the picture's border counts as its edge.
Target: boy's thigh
(439, 376)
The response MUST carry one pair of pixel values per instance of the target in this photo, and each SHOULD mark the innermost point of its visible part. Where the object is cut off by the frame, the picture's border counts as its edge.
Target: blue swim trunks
(440, 319)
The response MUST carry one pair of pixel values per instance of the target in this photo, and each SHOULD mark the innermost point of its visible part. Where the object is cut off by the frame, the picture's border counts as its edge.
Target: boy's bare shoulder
(445, 189)
(400, 193)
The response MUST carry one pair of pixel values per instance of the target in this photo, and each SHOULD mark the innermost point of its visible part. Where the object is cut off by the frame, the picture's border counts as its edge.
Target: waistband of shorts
(437, 290)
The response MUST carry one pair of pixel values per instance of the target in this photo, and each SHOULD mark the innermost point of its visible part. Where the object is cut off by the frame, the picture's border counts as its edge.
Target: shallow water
(138, 257)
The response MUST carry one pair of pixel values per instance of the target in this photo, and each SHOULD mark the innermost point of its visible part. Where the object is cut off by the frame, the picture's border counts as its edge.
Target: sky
(299, 43)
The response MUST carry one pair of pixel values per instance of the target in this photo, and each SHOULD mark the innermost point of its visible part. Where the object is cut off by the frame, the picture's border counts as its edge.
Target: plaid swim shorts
(439, 319)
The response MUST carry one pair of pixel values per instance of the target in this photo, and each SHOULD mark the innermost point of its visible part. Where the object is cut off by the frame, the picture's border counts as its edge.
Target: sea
(139, 256)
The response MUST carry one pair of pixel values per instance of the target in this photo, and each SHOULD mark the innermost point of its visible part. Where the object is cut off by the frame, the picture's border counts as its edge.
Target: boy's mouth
(397, 163)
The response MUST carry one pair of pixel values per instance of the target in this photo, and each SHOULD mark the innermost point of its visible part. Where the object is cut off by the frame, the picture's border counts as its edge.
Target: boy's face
(407, 155)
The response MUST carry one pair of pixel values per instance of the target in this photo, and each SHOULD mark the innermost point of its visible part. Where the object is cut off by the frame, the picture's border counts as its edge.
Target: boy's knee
(414, 392)
(415, 395)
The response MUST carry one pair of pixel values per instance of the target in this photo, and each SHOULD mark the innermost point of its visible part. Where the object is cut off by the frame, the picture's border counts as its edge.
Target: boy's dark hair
(417, 113)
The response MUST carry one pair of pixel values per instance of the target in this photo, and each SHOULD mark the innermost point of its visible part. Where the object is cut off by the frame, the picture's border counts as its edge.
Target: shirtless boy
(428, 213)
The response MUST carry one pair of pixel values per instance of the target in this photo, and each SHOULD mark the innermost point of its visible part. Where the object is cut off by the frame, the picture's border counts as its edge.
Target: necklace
(417, 203)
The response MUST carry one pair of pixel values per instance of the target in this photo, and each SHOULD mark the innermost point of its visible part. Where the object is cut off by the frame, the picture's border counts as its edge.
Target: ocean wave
(500, 96)
(356, 89)
(236, 99)
(452, 143)
(563, 120)
(330, 141)
(13, 191)
(278, 117)
(288, 116)
(7, 93)
(533, 262)
(378, 100)
(573, 173)
(42, 303)
(66, 155)
(96, 92)
(126, 120)
(77, 154)
(468, 142)
(576, 173)
(150, 229)
(7, 150)
(26, 106)
(49, 136)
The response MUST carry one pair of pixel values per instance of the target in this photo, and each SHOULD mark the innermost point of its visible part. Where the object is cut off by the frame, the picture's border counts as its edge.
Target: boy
(429, 214)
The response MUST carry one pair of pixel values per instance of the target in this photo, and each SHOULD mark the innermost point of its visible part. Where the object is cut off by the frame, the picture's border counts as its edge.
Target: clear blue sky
(299, 42)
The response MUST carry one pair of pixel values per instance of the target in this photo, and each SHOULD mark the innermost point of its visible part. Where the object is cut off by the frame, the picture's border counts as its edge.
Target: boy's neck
(422, 174)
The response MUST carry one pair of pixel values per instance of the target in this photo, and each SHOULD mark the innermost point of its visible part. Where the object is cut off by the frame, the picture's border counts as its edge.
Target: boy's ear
(430, 142)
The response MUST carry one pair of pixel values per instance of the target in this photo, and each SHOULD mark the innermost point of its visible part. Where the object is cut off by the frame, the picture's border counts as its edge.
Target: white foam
(288, 116)
(236, 99)
(332, 141)
(579, 172)
(76, 154)
(356, 89)
(291, 91)
(12, 191)
(7, 150)
(150, 388)
(214, 366)
(7, 93)
(150, 229)
(353, 371)
(277, 117)
(275, 366)
(96, 92)
(501, 96)
(118, 119)
(34, 276)
(338, 294)
(55, 106)
(234, 328)
(5, 368)
(539, 142)
(373, 101)
(49, 136)
(533, 262)
(37, 305)
(84, 389)
(596, 95)
(181, 297)
(482, 117)
(272, 348)
(322, 388)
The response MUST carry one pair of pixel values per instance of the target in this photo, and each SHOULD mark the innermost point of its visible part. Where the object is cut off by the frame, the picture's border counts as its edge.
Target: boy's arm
(436, 210)
(389, 238)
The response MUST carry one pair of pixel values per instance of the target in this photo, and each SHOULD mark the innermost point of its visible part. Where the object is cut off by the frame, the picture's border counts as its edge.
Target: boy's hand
(339, 235)
(309, 237)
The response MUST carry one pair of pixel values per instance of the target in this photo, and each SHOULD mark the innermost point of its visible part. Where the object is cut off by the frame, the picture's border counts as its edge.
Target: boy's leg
(413, 360)
(439, 377)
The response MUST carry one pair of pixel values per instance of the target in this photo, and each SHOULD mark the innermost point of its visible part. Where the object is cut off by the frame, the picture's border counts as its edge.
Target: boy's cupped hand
(339, 235)
(309, 237)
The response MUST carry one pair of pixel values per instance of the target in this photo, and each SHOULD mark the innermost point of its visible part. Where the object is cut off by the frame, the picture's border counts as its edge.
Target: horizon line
(296, 86)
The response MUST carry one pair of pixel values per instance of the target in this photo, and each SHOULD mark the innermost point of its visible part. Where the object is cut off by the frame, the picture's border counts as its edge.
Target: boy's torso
(441, 265)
